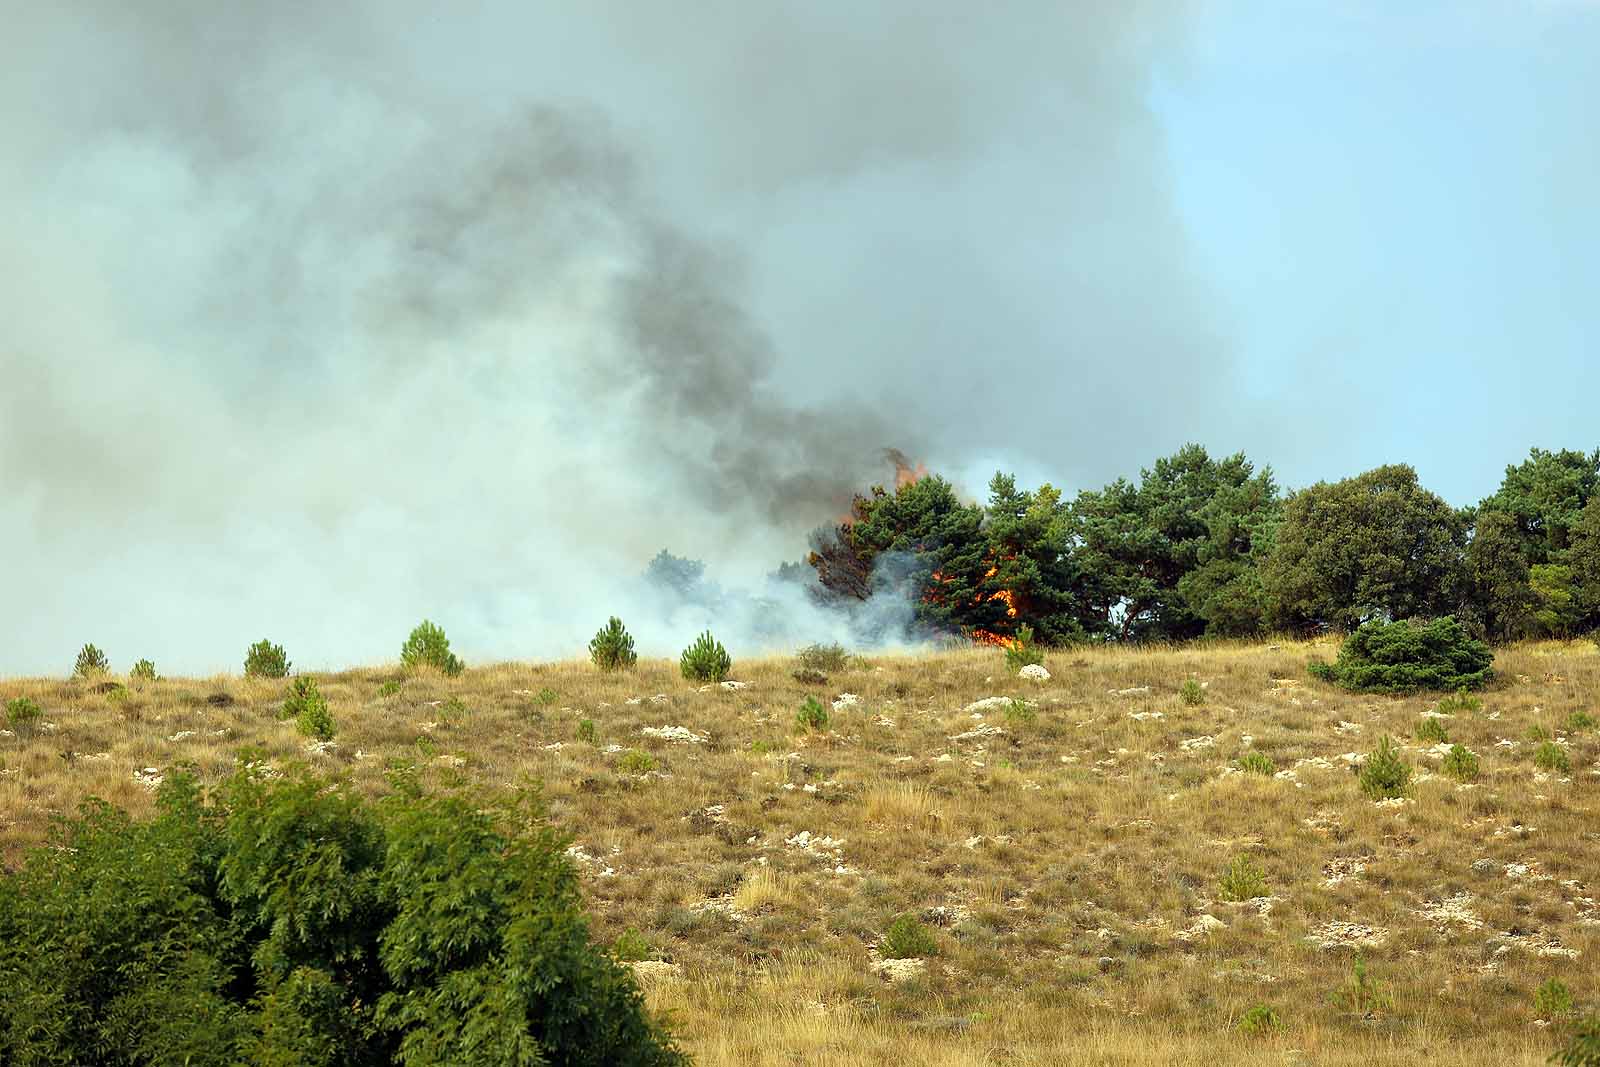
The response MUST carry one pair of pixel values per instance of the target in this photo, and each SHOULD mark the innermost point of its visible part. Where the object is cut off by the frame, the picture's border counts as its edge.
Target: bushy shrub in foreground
(292, 922)
(1403, 656)
(705, 660)
(612, 647)
(265, 660)
(427, 646)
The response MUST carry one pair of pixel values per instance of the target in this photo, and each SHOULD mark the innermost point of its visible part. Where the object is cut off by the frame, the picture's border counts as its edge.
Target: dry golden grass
(1065, 864)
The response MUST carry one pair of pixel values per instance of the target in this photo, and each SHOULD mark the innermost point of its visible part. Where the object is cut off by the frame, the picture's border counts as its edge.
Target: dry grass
(1065, 864)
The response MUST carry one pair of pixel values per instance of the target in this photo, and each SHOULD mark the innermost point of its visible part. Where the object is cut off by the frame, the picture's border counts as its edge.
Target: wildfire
(905, 473)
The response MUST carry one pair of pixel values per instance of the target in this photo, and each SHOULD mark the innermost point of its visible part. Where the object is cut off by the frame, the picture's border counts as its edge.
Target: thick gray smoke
(316, 323)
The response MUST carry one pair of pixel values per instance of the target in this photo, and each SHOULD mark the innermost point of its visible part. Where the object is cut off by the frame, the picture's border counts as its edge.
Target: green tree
(1555, 602)
(1583, 555)
(1545, 494)
(936, 541)
(1374, 546)
(1175, 554)
(1500, 595)
(291, 921)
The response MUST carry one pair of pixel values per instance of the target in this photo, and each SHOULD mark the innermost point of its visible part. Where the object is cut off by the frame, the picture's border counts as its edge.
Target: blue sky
(1396, 207)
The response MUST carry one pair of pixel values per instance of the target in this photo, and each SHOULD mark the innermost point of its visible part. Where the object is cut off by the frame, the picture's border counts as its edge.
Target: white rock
(1035, 672)
(846, 700)
(680, 734)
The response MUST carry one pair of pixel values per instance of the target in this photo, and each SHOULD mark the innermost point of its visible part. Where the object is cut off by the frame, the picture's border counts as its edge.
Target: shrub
(265, 660)
(22, 713)
(291, 921)
(587, 732)
(1243, 880)
(1259, 1020)
(1383, 774)
(1461, 764)
(1400, 657)
(1431, 730)
(92, 663)
(1021, 651)
(1579, 721)
(305, 704)
(809, 676)
(1192, 693)
(823, 658)
(1254, 762)
(631, 946)
(1362, 994)
(1550, 756)
(1460, 700)
(452, 711)
(907, 939)
(1583, 1046)
(813, 715)
(144, 671)
(636, 761)
(1537, 733)
(612, 647)
(389, 688)
(1552, 1000)
(427, 646)
(705, 660)
(1020, 713)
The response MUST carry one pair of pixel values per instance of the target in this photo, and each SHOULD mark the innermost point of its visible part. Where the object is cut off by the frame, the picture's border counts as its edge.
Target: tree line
(1203, 547)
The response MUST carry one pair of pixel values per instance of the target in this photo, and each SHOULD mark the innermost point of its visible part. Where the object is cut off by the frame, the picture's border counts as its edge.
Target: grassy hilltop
(1055, 865)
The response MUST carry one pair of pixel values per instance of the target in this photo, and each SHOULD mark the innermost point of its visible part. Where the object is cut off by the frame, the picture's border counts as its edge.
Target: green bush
(305, 704)
(1192, 692)
(92, 663)
(1432, 731)
(1552, 1000)
(1579, 721)
(636, 761)
(631, 946)
(265, 660)
(705, 660)
(1400, 657)
(1383, 774)
(1538, 734)
(22, 713)
(1363, 994)
(612, 647)
(291, 921)
(1583, 1046)
(1259, 1020)
(1460, 700)
(144, 671)
(428, 647)
(1254, 762)
(813, 715)
(1550, 756)
(823, 658)
(1022, 651)
(1020, 713)
(1461, 764)
(389, 688)
(907, 939)
(1243, 880)
(587, 732)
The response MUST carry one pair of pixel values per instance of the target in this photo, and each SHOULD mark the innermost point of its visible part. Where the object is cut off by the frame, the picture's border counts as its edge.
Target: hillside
(1065, 854)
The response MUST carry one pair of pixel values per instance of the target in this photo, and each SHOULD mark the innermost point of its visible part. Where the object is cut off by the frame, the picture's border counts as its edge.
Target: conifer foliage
(289, 921)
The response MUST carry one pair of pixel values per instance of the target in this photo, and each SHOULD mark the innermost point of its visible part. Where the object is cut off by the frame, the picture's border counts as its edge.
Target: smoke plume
(318, 322)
